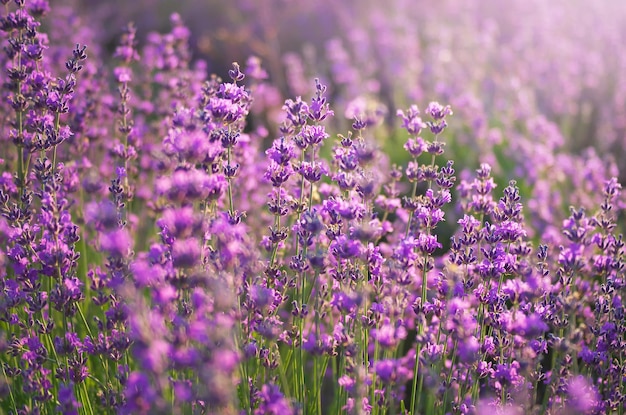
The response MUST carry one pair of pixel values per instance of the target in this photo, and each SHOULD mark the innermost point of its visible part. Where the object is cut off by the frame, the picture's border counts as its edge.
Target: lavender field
(292, 207)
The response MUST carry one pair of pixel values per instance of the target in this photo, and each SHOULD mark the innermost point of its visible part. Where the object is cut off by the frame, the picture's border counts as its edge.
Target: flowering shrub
(177, 243)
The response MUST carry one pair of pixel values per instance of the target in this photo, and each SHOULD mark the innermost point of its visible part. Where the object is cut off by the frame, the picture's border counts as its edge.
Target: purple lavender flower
(411, 120)
(116, 243)
(583, 398)
(272, 402)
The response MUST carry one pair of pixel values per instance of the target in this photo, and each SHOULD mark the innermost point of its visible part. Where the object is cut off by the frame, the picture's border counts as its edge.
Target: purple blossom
(319, 109)
(347, 302)
(387, 335)
(185, 253)
(583, 398)
(281, 152)
(272, 402)
(116, 243)
(427, 243)
(346, 248)
(411, 120)
(313, 135)
(438, 111)
(67, 401)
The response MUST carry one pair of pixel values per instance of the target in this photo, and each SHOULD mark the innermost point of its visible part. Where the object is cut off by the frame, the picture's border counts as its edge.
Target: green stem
(449, 378)
(421, 332)
(230, 186)
(14, 405)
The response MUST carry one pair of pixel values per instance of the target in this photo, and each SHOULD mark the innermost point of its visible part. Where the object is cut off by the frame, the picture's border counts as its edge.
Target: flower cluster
(191, 244)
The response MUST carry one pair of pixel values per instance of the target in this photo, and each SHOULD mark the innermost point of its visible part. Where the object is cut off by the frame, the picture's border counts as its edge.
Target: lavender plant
(165, 251)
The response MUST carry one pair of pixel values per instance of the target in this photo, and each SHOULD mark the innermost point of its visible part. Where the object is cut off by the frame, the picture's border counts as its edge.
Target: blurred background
(528, 80)
(564, 59)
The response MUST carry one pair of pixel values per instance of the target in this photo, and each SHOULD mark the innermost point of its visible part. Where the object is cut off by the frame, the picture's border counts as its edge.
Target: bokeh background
(563, 61)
